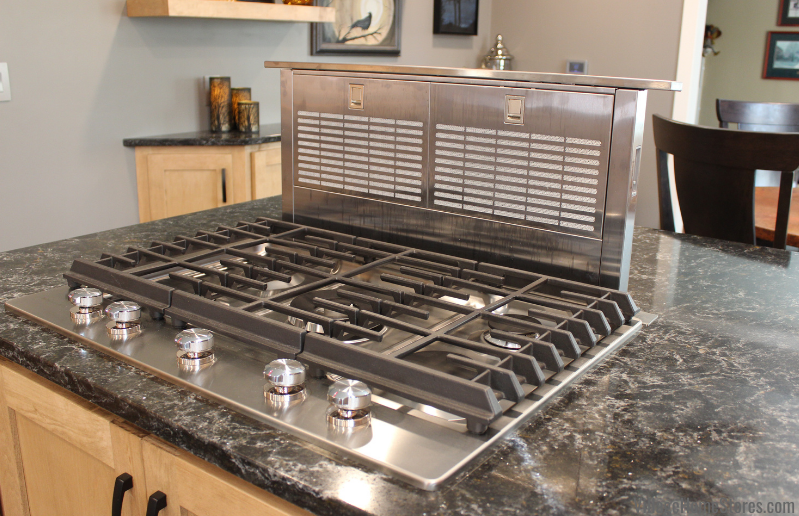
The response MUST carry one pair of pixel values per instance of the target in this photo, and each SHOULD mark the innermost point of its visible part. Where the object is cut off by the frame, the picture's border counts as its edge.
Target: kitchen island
(702, 407)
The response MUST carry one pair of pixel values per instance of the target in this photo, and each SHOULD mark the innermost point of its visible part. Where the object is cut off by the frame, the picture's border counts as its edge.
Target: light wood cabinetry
(230, 10)
(196, 488)
(60, 455)
(175, 180)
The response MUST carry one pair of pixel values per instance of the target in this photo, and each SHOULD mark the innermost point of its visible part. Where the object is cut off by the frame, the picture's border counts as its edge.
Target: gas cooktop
(404, 360)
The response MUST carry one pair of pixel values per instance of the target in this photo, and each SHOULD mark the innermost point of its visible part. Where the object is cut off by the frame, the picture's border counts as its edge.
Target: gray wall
(628, 38)
(736, 73)
(84, 76)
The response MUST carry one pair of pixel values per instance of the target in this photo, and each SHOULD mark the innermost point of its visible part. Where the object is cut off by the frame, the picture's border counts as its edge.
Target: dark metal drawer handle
(122, 484)
(224, 186)
(156, 503)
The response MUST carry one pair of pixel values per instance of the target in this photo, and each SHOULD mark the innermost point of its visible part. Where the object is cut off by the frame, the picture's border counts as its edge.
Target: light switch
(514, 109)
(5, 84)
(356, 96)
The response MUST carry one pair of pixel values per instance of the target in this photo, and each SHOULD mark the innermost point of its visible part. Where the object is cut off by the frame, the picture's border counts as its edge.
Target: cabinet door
(195, 488)
(185, 183)
(63, 453)
(266, 172)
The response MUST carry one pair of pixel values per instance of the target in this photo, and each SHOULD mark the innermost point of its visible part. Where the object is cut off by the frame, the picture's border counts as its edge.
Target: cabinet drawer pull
(122, 484)
(156, 503)
(224, 186)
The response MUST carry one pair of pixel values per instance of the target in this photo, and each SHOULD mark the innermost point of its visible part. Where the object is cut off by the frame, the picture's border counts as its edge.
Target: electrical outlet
(5, 84)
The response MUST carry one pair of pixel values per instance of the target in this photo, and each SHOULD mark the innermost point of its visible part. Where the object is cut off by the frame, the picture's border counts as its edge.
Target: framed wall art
(789, 12)
(782, 56)
(455, 17)
(577, 67)
(361, 27)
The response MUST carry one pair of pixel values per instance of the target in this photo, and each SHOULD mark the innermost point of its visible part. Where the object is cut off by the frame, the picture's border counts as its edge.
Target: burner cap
(513, 328)
(305, 302)
(510, 328)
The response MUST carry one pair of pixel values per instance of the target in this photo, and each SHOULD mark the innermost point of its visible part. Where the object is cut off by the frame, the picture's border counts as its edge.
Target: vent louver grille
(378, 158)
(539, 178)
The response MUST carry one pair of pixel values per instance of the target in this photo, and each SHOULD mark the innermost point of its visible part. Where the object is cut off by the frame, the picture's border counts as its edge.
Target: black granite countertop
(268, 133)
(702, 407)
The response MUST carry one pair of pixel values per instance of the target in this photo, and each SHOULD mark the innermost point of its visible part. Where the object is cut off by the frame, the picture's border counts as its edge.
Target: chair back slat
(758, 116)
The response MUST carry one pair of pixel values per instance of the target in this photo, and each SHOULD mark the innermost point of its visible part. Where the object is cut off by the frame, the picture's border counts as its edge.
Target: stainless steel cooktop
(404, 360)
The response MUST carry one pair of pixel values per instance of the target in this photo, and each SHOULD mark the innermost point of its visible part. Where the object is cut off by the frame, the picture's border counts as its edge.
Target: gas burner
(510, 328)
(305, 302)
(476, 301)
(264, 250)
(276, 287)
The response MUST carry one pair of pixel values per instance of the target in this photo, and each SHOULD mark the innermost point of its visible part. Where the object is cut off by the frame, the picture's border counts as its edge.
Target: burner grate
(366, 289)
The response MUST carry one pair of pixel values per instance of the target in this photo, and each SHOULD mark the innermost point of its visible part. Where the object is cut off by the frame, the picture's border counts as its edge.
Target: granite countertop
(268, 133)
(702, 407)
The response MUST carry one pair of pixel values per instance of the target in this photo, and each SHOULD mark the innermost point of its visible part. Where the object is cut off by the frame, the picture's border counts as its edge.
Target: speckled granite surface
(702, 407)
(268, 133)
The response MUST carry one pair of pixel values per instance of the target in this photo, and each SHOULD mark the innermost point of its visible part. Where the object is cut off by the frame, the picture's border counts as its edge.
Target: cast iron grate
(185, 280)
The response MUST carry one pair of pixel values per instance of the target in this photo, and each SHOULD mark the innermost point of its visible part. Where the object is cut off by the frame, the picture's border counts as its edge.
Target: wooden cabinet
(175, 180)
(196, 488)
(60, 455)
(230, 10)
(63, 453)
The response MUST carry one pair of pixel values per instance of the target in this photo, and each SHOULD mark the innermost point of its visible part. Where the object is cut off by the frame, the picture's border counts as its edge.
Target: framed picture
(782, 56)
(361, 27)
(789, 12)
(455, 17)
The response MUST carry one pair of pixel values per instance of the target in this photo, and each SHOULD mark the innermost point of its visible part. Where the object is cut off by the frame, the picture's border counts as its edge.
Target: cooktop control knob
(284, 373)
(195, 347)
(350, 400)
(125, 319)
(88, 305)
(286, 379)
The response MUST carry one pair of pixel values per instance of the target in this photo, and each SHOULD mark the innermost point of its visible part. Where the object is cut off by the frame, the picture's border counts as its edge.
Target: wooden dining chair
(714, 175)
(758, 116)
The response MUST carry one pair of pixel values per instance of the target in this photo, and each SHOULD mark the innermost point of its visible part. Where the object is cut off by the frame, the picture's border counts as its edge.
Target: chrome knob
(125, 318)
(349, 395)
(124, 312)
(350, 410)
(286, 382)
(86, 297)
(195, 348)
(88, 305)
(195, 340)
(285, 372)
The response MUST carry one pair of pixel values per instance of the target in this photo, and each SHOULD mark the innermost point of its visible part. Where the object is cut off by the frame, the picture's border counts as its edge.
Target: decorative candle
(220, 104)
(248, 116)
(237, 95)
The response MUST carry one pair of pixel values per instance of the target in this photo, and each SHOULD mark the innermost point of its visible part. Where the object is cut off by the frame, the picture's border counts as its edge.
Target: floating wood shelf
(230, 10)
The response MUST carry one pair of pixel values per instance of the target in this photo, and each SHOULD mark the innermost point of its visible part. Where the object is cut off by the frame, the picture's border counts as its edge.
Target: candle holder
(237, 95)
(247, 120)
(221, 121)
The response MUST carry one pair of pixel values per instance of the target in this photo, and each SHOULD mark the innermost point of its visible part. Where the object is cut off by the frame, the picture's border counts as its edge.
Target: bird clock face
(363, 22)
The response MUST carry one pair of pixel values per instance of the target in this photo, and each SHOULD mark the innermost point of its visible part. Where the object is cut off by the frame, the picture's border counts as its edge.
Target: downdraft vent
(378, 158)
(518, 176)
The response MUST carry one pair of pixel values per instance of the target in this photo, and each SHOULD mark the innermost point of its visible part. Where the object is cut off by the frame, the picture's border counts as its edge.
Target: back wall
(84, 76)
(623, 38)
(736, 73)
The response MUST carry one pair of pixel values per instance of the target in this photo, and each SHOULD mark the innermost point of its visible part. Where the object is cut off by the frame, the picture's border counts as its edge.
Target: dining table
(766, 214)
